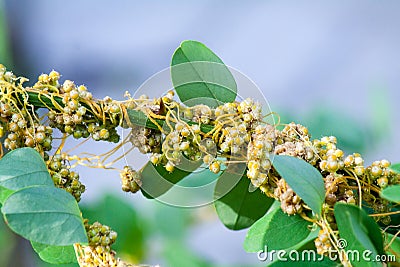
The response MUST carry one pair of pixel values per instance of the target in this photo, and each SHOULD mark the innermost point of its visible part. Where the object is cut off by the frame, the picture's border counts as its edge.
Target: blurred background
(331, 65)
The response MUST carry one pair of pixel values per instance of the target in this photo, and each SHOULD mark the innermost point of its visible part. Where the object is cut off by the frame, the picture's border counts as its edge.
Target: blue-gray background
(335, 58)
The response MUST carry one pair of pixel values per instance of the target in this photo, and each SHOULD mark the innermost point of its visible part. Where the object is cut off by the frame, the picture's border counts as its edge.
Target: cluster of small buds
(70, 120)
(250, 110)
(322, 243)
(348, 197)
(183, 140)
(90, 256)
(64, 178)
(235, 139)
(100, 236)
(258, 151)
(293, 140)
(291, 203)
(146, 140)
(171, 148)
(332, 183)
(381, 174)
(356, 163)
(332, 157)
(200, 114)
(293, 131)
(23, 131)
(48, 79)
(112, 107)
(74, 118)
(98, 252)
(336, 191)
(227, 108)
(168, 97)
(5, 75)
(105, 132)
(130, 179)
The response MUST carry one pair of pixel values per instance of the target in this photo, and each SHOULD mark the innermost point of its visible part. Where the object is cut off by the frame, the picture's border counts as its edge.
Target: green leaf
(4, 193)
(239, 208)
(306, 247)
(391, 193)
(394, 248)
(200, 77)
(271, 231)
(360, 232)
(395, 167)
(46, 215)
(21, 168)
(139, 118)
(55, 254)
(303, 178)
(308, 242)
(156, 180)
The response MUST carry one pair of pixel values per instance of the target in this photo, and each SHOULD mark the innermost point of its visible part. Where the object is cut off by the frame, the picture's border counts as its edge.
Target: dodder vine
(309, 177)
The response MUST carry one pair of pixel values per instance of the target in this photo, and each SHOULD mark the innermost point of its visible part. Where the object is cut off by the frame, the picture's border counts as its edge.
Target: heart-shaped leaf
(21, 168)
(360, 232)
(303, 178)
(55, 254)
(236, 206)
(271, 231)
(200, 77)
(46, 215)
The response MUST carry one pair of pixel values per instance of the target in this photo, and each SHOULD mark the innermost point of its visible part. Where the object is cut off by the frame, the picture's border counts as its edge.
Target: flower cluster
(64, 178)
(73, 112)
(322, 242)
(18, 120)
(130, 180)
(146, 140)
(100, 236)
(290, 202)
(294, 140)
(258, 154)
(98, 252)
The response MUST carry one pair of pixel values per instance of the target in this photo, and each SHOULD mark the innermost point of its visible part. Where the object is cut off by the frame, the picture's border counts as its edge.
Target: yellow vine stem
(392, 240)
(98, 161)
(359, 190)
(324, 224)
(61, 146)
(384, 214)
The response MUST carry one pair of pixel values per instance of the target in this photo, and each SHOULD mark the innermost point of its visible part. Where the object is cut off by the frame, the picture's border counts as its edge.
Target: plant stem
(136, 117)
